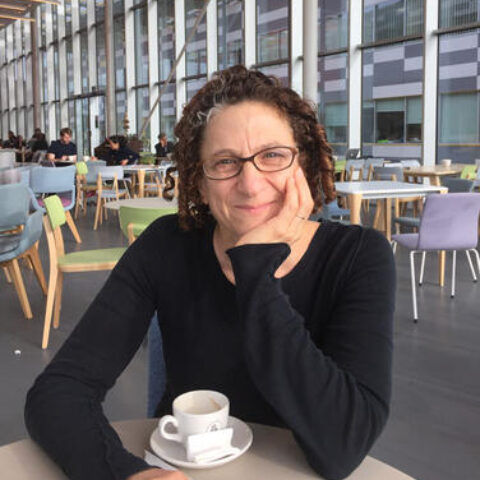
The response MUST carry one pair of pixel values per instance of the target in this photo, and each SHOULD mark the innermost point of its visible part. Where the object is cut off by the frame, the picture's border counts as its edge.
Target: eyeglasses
(273, 159)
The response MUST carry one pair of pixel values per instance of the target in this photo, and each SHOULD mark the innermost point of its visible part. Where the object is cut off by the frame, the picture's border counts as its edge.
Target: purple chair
(449, 222)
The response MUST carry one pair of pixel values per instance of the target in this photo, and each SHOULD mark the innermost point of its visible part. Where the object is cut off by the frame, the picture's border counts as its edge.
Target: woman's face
(249, 199)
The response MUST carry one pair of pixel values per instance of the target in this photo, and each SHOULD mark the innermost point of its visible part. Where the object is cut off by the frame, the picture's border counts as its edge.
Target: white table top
(386, 189)
(147, 168)
(274, 454)
(146, 202)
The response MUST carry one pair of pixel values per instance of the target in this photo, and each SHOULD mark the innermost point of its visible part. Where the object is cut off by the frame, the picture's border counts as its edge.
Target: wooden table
(435, 172)
(146, 202)
(274, 454)
(141, 170)
(386, 190)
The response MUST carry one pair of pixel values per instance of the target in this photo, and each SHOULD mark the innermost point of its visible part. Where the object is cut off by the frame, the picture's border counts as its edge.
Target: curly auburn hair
(230, 87)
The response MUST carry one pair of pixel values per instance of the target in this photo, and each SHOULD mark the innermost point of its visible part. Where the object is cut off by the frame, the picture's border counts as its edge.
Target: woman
(119, 153)
(290, 319)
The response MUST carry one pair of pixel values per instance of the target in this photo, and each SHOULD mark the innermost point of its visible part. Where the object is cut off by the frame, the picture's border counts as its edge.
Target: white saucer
(174, 452)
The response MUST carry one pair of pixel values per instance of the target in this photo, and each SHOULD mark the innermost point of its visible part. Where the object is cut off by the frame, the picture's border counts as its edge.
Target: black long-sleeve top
(311, 351)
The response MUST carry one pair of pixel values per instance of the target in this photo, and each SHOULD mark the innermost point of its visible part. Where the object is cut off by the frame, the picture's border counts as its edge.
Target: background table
(273, 455)
(434, 172)
(145, 202)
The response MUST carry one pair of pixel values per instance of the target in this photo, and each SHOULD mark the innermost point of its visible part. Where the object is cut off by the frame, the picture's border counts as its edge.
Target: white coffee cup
(86, 158)
(196, 412)
(72, 157)
(446, 162)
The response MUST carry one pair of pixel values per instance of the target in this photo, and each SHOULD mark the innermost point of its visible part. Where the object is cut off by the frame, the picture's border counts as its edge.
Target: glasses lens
(222, 167)
(274, 159)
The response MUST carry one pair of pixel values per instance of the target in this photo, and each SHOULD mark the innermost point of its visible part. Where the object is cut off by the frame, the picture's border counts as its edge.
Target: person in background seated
(163, 146)
(34, 139)
(63, 148)
(11, 142)
(119, 153)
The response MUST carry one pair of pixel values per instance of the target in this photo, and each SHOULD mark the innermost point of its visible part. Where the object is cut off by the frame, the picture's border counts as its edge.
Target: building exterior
(396, 78)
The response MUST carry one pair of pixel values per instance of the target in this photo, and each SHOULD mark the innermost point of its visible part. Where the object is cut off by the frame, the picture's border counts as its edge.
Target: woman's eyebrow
(229, 151)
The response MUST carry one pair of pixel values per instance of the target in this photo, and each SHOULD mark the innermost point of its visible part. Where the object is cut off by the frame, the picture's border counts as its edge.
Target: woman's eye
(225, 162)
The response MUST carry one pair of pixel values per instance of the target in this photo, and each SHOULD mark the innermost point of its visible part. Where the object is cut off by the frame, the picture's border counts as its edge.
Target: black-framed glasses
(272, 159)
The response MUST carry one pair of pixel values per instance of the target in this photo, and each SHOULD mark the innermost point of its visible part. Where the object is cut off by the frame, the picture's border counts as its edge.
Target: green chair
(339, 169)
(61, 262)
(134, 220)
(469, 172)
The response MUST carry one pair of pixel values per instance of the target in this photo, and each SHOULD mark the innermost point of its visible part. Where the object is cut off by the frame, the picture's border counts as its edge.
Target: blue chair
(332, 211)
(19, 234)
(46, 181)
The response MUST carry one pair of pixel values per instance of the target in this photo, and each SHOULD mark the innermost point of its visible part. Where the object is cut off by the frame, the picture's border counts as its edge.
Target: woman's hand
(157, 474)
(288, 225)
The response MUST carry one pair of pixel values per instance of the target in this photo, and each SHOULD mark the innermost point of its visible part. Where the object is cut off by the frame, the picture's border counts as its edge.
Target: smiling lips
(254, 208)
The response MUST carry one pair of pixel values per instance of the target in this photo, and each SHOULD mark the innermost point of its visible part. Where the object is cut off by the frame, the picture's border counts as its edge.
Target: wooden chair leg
(37, 267)
(7, 275)
(52, 282)
(97, 213)
(58, 300)
(72, 226)
(20, 288)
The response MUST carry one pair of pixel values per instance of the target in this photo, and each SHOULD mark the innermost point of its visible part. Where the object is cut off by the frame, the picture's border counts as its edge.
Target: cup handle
(213, 427)
(164, 421)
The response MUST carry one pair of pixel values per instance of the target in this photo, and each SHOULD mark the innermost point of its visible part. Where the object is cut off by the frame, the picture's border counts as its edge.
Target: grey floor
(434, 427)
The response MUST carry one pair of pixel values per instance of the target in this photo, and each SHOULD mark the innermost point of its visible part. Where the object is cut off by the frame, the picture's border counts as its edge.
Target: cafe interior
(396, 85)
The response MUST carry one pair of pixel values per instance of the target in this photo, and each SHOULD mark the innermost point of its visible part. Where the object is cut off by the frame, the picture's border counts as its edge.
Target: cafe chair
(134, 220)
(61, 262)
(354, 170)
(370, 164)
(449, 222)
(46, 181)
(469, 172)
(7, 158)
(108, 190)
(19, 237)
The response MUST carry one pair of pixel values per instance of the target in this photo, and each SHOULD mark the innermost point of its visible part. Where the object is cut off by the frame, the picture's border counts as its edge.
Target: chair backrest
(449, 222)
(93, 167)
(50, 180)
(469, 172)
(457, 185)
(388, 173)
(141, 218)
(413, 163)
(82, 168)
(7, 159)
(370, 164)
(15, 202)
(10, 175)
(39, 156)
(354, 169)
(352, 153)
(109, 173)
(339, 165)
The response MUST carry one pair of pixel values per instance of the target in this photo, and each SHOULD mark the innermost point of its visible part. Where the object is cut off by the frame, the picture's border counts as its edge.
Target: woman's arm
(63, 411)
(333, 391)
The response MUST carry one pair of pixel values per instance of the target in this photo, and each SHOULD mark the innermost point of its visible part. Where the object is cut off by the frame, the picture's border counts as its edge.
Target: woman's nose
(250, 179)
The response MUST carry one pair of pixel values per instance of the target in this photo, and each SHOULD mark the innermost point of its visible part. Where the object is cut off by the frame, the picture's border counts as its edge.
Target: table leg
(355, 203)
(387, 215)
(441, 267)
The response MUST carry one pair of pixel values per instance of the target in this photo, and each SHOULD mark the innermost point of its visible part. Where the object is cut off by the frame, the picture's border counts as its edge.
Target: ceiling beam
(11, 17)
(4, 6)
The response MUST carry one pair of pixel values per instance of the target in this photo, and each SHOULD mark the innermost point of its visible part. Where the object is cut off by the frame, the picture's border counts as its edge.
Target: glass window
(121, 106)
(459, 96)
(141, 46)
(332, 24)
(272, 30)
(69, 50)
(390, 115)
(101, 123)
(414, 120)
(101, 58)
(168, 116)
(458, 12)
(459, 118)
(230, 33)
(68, 17)
(280, 71)
(44, 75)
(118, 7)
(333, 99)
(84, 60)
(99, 10)
(119, 46)
(56, 72)
(193, 86)
(82, 8)
(166, 38)
(388, 19)
(143, 109)
(43, 25)
(196, 54)
(57, 116)
(54, 23)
